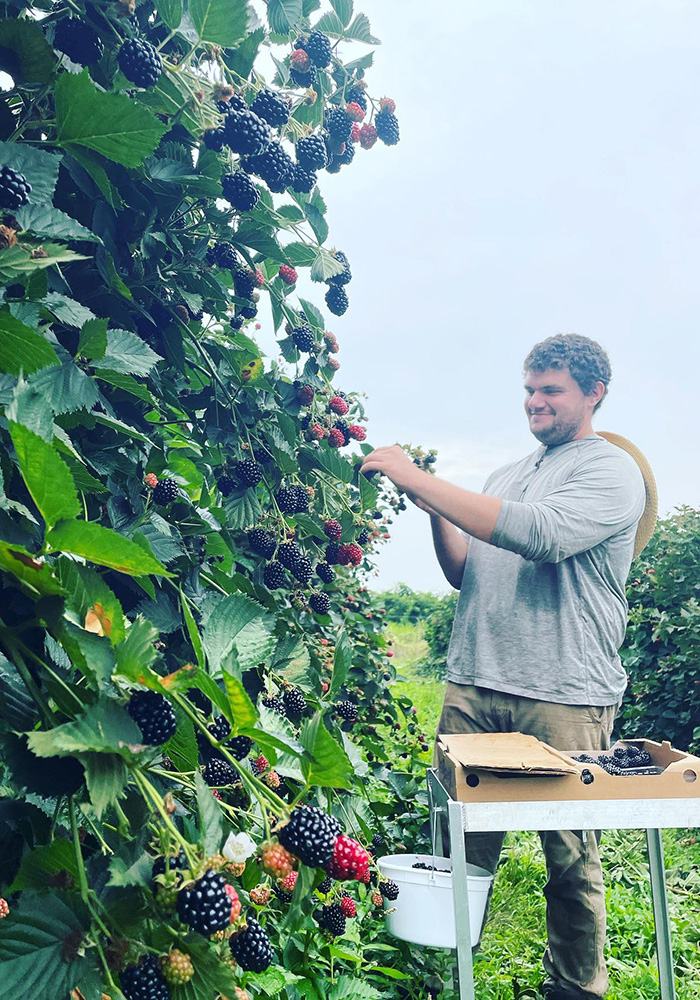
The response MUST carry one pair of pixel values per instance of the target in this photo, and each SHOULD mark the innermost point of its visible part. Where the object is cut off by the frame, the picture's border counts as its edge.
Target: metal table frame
(651, 815)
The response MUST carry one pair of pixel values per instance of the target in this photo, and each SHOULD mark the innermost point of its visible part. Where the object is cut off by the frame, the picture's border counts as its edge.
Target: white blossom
(238, 847)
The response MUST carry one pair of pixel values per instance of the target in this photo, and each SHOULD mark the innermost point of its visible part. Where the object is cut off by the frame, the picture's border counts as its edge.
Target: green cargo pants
(574, 891)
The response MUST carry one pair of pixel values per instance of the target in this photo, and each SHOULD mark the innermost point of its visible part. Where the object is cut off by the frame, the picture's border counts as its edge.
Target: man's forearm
(450, 548)
(475, 513)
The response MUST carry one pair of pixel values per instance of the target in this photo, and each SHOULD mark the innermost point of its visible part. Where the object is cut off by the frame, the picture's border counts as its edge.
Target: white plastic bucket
(424, 911)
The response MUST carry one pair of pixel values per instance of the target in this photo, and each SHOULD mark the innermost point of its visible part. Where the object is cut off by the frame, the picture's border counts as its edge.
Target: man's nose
(536, 402)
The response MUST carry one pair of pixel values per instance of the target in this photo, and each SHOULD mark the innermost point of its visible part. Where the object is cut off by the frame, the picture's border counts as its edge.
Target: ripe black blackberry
(320, 603)
(356, 95)
(206, 907)
(318, 49)
(378, 843)
(262, 542)
(236, 322)
(240, 746)
(311, 153)
(303, 338)
(248, 472)
(387, 126)
(303, 181)
(244, 281)
(14, 188)
(325, 887)
(302, 499)
(308, 835)
(275, 704)
(286, 497)
(199, 699)
(326, 572)
(294, 701)
(234, 103)
(245, 132)
(144, 981)
(332, 919)
(303, 570)
(251, 948)
(332, 551)
(154, 716)
(346, 156)
(389, 889)
(220, 728)
(273, 164)
(78, 40)
(215, 139)
(289, 554)
(239, 190)
(165, 492)
(219, 772)
(586, 777)
(226, 485)
(139, 62)
(363, 537)
(175, 862)
(274, 576)
(345, 275)
(272, 107)
(305, 80)
(346, 710)
(337, 300)
(338, 124)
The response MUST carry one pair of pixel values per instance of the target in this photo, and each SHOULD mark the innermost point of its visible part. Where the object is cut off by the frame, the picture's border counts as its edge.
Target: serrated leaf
(317, 220)
(242, 510)
(67, 310)
(36, 577)
(31, 407)
(343, 9)
(300, 254)
(93, 339)
(35, 60)
(329, 766)
(252, 644)
(112, 124)
(127, 383)
(68, 388)
(17, 707)
(221, 21)
(342, 661)
(136, 652)
(192, 630)
(331, 24)
(127, 353)
(85, 589)
(104, 727)
(104, 547)
(244, 711)
(171, 12)
(130, 867)
(226, 621)
(44, 220)
(106, 777)
(369, 493)
(284, 15)
(44, 861)
(181, 748)
(22, 349)
(359, 31)
(258, 238)
(46, 475)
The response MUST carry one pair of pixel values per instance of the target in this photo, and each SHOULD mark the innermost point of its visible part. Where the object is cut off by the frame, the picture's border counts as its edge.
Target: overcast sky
(547, 180)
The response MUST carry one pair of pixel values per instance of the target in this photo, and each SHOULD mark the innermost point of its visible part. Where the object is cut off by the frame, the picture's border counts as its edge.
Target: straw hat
(647, 522)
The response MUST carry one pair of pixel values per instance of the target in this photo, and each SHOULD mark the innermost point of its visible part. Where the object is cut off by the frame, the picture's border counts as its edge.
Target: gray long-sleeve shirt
(542, 609)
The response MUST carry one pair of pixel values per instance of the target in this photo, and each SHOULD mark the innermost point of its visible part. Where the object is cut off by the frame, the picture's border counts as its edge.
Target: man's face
(556, 407)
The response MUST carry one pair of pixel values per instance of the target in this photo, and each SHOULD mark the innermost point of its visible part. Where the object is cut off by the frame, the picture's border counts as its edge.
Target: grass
(515, 934)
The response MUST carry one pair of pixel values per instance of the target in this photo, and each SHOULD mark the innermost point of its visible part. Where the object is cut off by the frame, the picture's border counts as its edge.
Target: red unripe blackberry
(4, 909)
(154, 716)
(245, 132)
(235, 902)
(151, 480)
(387, 104)
(326, 572)
(262, 542)
(309, 835)
(225, 485)
(387, 127)
(368, 136)
(205, 907)
(144, 981)
(355, 133)
(348, 906)
(305, 394)
(239, 190)
(311, 153)
(318, 48)
(334, 364)
(390, 652)
(276, 860)
(78, 40)
(337, 300)
(251, 948)
(316, 432)
(219, 773)
(333, 529)
(377, 898)
(272, 107)
(288, 275)
(287, 884)
(347, 711)
(273, 576)
(260, 894)
(272, 779)
(357, 432)
(389, 889)
(332, 919)
(294, 701)
(338, 405)
(350, 555)
(165, 492)
(139, 62)
(249, 472)
(336, 438)
(303, 337)
(331, 342)
(356, 112)
(300, 60)
(320, 603)
(261, 763)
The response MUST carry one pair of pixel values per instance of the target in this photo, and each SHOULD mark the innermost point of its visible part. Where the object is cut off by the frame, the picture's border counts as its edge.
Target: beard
(559, 431)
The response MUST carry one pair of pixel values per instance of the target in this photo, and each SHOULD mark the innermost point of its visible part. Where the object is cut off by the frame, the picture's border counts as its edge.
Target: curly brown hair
(585, 358)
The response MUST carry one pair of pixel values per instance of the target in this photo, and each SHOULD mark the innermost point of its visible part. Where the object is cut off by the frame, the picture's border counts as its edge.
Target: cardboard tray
(513, 767)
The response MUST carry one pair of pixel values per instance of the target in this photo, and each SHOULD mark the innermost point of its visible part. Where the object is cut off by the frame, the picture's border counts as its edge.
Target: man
(541, 615)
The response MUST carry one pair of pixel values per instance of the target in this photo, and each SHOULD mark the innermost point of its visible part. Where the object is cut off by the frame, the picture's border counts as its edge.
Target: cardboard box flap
(510, 752)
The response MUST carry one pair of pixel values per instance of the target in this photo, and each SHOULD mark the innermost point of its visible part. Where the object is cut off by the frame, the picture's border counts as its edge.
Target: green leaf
(17, 708)
(136, 652)
(331, 24)
(127, 383)
(33, 954)
(86, 591)
(44, 220)
(22, 349)
(93, 339)
(330, 766)
(36, 576)
(221, 21)
(226, 621)
(67, 310)
(350, 986)
(192, 630)
(324, 266)
(90, 653)
(252, 644)
(104, 727)
(210, 819)
(68, 388)
(35, 60)
(333, 463)
(104, 547)
(182, 745)
(124, 871)
(42, 862)
(171, 12)
(31, 407)
(316, 219)
(359, 31)
(127, 353)
(284, 15)
(300, 254)
(106, 778)
(258, 238)
(47, 476)
(112, 124)
(244, 711)
(342, 661)
(369, 493)
(242, 510)
(343, 9)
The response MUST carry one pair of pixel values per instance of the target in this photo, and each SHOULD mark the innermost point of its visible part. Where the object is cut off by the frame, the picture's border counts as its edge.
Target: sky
(547, 181)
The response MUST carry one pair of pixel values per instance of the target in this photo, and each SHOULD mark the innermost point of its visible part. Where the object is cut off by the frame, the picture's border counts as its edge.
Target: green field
(515, 935)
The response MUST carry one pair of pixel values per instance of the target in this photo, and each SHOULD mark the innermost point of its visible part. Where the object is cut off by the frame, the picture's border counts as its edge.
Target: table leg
(661, 920)
(461, 902)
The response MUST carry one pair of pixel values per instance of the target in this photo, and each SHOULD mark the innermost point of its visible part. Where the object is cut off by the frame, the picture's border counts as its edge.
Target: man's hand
(394, 463)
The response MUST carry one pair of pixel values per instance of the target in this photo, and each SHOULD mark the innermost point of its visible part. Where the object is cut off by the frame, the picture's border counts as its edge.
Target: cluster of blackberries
(336, 296)
(293, 499)
(428, 868)
(154, 716)
(623, 760)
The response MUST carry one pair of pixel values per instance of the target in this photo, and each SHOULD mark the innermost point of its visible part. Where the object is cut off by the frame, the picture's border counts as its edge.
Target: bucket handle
(435, 812)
